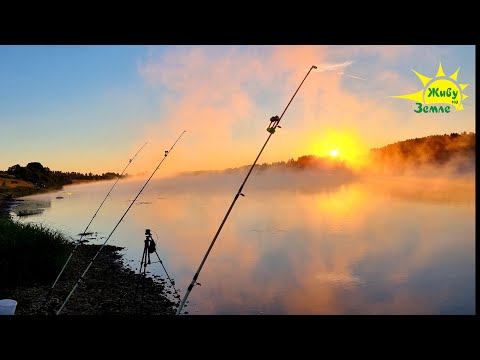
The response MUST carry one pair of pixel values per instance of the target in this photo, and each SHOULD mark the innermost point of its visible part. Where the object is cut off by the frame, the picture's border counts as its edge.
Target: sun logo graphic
(441, 89)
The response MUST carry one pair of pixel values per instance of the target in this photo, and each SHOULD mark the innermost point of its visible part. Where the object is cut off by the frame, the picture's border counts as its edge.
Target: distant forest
(435, 150)
(302, 162)
(430, 150)
(43, 177)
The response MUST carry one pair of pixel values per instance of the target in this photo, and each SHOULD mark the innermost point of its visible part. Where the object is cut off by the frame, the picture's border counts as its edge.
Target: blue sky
(89, 108)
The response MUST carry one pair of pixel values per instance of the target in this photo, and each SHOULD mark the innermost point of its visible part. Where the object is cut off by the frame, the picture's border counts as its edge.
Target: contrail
(355, 77)
(352, 76)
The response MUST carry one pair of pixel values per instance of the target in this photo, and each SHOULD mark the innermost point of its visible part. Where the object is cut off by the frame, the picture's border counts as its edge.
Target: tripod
(149, 248)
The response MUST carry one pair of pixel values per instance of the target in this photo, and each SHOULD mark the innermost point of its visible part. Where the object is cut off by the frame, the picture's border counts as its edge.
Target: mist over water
(300, 242)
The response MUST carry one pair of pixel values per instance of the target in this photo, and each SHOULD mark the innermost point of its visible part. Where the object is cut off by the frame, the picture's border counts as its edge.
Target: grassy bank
(11, 188)
(29, 254)
(16, 192)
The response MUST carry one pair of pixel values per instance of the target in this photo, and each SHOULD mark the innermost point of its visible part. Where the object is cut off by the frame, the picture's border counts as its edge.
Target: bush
(29, 254)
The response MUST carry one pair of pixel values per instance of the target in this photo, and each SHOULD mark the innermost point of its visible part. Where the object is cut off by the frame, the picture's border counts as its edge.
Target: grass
(29, 254)
(10, 187)
(10, 181)
(18, 191)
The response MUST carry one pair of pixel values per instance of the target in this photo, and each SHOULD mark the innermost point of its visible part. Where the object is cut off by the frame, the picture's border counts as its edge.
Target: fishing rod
(85, 231)
(167, 152)
(274, 121)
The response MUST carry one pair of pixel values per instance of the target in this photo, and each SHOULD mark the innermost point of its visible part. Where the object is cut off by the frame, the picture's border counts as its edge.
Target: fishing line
(274, 121)
(85, 231)
(118, 223)
(160, 261)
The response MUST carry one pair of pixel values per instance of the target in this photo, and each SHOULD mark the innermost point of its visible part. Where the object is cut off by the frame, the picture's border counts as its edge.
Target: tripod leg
(144, 276)
(171, 282)
(143, 261)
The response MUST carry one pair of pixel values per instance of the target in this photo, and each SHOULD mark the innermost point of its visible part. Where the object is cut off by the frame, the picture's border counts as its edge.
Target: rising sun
(334, 153)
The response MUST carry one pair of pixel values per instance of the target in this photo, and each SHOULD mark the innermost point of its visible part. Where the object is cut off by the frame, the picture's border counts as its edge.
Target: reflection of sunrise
(341, 203)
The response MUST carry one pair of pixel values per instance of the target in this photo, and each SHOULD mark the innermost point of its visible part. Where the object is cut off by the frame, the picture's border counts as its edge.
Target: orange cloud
(224, 97)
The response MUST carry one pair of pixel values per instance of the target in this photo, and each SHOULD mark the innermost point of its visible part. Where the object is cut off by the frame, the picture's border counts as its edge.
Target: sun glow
(343, 146)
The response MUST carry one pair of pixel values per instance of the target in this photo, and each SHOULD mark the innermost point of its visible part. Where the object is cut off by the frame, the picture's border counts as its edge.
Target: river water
(349, 246)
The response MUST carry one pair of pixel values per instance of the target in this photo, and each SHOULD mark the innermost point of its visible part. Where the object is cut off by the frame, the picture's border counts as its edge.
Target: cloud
(224, 97)
(332, 67)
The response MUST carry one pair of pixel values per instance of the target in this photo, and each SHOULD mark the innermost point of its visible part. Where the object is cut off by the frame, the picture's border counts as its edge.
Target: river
(357, 246)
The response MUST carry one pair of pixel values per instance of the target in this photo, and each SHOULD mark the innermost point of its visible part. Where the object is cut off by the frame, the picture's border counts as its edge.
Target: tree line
(302, 162)
(433, 149)
(43, 177)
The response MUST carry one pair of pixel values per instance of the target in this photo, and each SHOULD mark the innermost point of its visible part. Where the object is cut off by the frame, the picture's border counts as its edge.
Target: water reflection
(369, 246)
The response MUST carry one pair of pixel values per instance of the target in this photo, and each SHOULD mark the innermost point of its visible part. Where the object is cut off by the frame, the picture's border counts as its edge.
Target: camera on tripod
(149, 248)
(149, 243)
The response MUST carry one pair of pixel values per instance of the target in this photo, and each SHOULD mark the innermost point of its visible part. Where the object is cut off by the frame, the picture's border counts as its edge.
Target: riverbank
(12, 188)
(109, 287)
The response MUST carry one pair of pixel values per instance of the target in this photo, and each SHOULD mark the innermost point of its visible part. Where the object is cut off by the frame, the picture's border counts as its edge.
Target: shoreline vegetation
(34, 178)
(32, 256)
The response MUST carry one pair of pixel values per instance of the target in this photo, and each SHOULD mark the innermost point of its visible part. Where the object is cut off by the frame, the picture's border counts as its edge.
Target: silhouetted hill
(455, 152)
(42, 176)
(34, 178)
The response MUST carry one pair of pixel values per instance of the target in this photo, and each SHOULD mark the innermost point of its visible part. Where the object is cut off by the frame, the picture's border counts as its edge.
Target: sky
(91, 108)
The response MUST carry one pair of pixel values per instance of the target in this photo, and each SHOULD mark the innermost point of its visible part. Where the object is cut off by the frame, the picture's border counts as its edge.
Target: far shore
(87, 181)
(13, 191)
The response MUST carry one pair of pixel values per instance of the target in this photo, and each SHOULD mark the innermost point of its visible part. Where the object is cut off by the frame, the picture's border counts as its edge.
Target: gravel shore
(109, 287)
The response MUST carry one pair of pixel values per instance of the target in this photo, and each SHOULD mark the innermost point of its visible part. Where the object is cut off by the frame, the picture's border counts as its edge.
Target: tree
(14, 170)
(35, 166)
